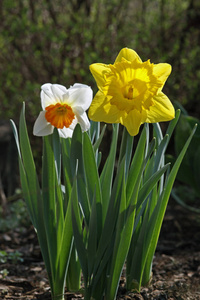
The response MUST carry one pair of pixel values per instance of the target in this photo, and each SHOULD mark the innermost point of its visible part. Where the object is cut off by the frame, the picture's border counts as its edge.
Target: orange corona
(59, 115)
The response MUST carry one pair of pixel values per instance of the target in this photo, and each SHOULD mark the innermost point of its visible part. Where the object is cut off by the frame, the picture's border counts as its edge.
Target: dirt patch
(176, 266)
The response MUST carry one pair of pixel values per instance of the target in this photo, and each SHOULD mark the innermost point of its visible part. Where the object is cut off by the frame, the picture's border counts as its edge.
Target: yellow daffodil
(63, 108)
(130, 92)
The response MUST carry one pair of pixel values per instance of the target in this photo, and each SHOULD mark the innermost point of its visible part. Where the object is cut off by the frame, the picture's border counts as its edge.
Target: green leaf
(99, 140)
(57, 153)
(149, 184)
(78, 234)
(106, 177)
(149, 234)
(106, 241)
(159, 158)
(125, 224)
(29, 167)
(76, 152)
(49, 199)
(135, 165)
(67, 174)
(92, 179)
(60, 216)
(76, 161)
(30, 187)
(94, 131)
(173, 123)
(92, 237)
(157, 133)
(65, 243)
(126, 150)
(23, 178)
(73, 279)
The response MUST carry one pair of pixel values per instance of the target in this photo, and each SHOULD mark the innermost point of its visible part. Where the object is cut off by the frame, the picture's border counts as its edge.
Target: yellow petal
(98, 71)
(102, 111)
(133, 121)
(128, 54)
(162, 71)
(161, 111)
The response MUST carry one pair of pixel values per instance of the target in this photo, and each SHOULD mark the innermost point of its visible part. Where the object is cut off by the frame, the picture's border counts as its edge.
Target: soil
(176, 267)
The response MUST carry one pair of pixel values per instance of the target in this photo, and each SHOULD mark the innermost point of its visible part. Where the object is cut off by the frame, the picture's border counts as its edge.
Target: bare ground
(176, 267)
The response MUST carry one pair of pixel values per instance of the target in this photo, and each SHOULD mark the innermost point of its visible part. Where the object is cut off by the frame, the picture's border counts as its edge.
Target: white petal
(58, 91)
(47, 97)
(52, 94)
(84, 122)
(61, 87)
(79, 85)
(41, 126)
(65, 132)
(73, 124)
(78, 110)
(80, 95)
(46, 87)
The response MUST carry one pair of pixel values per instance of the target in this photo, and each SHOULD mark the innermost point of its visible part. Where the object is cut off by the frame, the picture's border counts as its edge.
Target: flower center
(59, 115)
(129, 95)
(131, 85)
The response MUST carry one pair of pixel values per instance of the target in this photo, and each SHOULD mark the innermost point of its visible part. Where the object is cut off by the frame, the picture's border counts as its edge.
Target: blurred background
(55, 41)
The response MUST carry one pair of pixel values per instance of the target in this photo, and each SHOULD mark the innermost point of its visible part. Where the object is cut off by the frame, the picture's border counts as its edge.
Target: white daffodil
(63, 108)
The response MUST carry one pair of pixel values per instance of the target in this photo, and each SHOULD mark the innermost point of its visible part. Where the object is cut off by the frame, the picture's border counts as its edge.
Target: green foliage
(14, 257)
(151, 209)
(108, 216)
(49, 211)
(49, 203)
(126, 211)
(56, 41)
(189, 172)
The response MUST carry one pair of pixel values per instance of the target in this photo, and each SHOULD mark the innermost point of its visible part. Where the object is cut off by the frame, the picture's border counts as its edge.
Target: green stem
(87, 293)
(58, 288)
(58, 293)
(74, 272)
